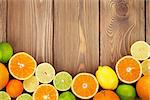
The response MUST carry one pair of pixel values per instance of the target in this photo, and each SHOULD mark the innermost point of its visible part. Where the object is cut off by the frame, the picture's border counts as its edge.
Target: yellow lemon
(107, 77)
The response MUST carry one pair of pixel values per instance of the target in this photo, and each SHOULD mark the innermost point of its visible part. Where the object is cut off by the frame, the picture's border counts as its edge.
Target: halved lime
(140, 50)
(62, 81)
(4, 96)
(146, 67)
(45, 73)
(66, 96)
(24, 96)
(30, 84)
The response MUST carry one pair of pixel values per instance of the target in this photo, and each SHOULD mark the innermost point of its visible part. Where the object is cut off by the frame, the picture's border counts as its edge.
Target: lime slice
(67, 96)
(4, 96)
(30, 84)
(140, 50)
(45, 73)
(24, 96)
(146, 67)
(62, 81)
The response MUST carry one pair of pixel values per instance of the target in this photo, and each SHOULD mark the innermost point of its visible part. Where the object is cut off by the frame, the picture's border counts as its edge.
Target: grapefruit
(128, 69)
(22, 66)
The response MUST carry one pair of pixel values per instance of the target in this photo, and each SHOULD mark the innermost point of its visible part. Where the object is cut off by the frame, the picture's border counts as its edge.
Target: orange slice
(22, 66)
(85, 85)
(128, 69)
(45, 92)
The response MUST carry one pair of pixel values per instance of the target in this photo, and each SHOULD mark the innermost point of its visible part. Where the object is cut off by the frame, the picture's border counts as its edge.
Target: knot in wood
(122, 9)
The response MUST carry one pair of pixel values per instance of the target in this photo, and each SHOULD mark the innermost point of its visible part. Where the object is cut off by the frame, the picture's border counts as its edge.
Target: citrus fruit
(146, 67)
(45, 73)
(14, 88)
(128, 69)
(66, 96)
(62, 81)
(30, 84)
(6, 52)
(106, 95)
(143, 87)
(4, 96)
(126, 92)
(107, 77)
(84, 85)
(45, 92)
(140, 50)
(4, 76)
(24, 96)
(22, 66)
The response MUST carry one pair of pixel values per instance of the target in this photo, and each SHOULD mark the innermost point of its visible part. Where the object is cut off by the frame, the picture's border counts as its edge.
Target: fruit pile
(24, 79)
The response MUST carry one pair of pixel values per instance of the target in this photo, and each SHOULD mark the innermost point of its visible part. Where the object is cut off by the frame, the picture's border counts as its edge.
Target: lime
(62, 81)
(30, 84)
(4, 96)
(66, 96)
(107, 77)
(45, 73)
(24, 96)
(146, 67)
(126, 92)
(6, 52)
(140, 50)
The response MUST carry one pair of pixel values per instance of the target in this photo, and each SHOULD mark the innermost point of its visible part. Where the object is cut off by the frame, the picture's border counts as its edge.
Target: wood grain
(121, 24)
(30, 27)
(3, 7)
(148, 21)
(76, 35)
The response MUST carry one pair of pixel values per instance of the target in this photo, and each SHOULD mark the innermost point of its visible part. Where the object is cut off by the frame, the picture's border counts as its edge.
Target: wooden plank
(121, 24)
(76, 35)
(148, 21)
(30, 27)
(3, 8)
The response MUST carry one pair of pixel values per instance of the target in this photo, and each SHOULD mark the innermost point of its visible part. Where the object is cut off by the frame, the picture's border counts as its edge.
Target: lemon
(107, 77)
(4, 96)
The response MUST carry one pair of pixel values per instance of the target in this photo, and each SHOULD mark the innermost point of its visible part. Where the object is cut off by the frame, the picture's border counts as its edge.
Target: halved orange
(128, 69)
(45, 92)
(85, 85)
(22, 66)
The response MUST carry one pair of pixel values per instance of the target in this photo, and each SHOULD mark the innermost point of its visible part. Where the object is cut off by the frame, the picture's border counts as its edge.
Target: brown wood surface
(3, 7)
(76, 35)
(121, 24)
(148, 21)
(30, 27)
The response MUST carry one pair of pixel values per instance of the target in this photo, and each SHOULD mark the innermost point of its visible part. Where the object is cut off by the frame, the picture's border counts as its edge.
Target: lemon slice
(45, 73)
(24, 96)
(30, 84)
(140, 50)
(146, 67)
(4, 96)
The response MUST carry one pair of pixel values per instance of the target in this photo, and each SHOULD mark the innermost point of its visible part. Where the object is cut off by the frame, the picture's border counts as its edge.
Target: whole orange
(4, 76)
(14, 88)
(106, 95)
(143, 87)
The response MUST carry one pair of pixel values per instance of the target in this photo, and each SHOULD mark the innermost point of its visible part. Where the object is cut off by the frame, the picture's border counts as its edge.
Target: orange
(84, 85)
(22, 66)
(45, 92)
(106, 95)
(143, 87)
(14, 88)
(128, 69)
(4, 76)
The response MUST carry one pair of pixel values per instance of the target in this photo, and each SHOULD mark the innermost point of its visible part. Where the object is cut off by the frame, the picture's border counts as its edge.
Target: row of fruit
(45, 84)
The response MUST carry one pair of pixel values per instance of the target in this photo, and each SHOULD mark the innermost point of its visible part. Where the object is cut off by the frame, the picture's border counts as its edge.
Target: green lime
(4, 96)
(6, 52)
(45, 73)
(62, 81)
(30, 84)
(24, 96)
(126, 92)
(66, 96)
